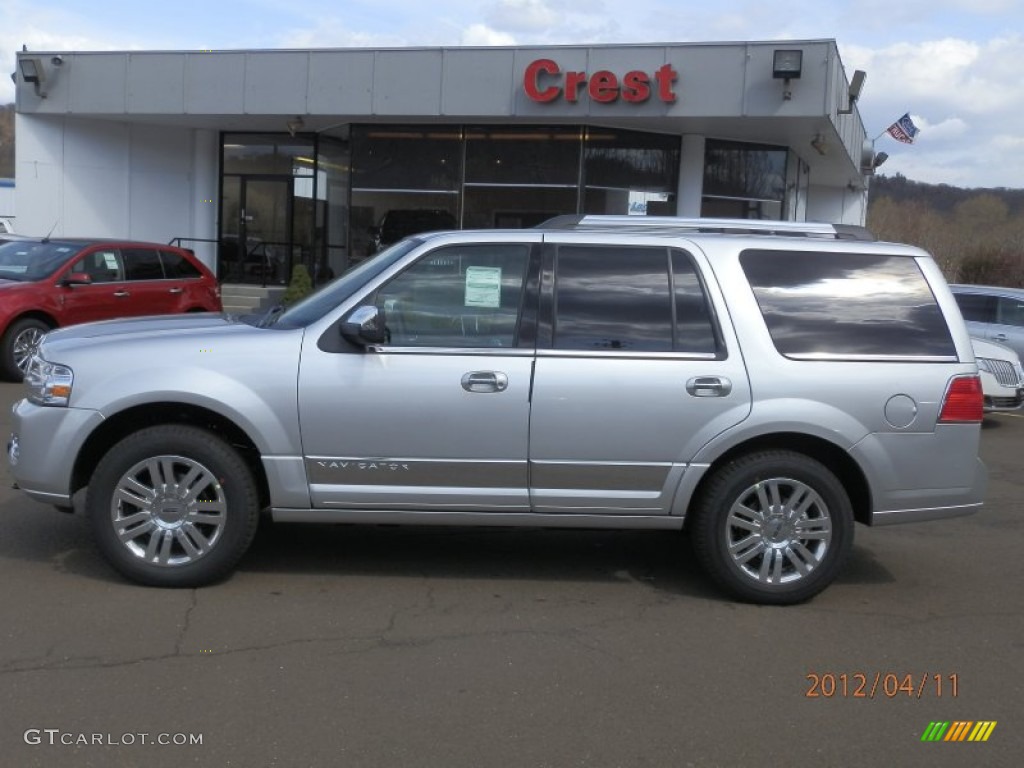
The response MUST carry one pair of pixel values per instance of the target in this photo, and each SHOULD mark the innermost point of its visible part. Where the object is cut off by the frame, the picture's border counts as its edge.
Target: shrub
(301, 285)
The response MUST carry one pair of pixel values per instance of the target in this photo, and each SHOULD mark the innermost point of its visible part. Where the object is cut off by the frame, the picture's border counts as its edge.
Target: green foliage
(300, 286)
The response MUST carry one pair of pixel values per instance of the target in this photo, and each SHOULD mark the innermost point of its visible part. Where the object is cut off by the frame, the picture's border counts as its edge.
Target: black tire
(759, 549)
(201, 512)
(17, 338)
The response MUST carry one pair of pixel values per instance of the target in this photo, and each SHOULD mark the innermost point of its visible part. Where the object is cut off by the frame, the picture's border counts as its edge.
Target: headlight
(48, 383)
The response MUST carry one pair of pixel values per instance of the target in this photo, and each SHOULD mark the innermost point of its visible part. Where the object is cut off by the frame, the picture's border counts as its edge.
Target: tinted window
(695, 327)
(177, 266)
(102, 266)
(1010, 311)
(460, 296)
(846, 304)
(619, 298)
(142, 264)
(976, 307)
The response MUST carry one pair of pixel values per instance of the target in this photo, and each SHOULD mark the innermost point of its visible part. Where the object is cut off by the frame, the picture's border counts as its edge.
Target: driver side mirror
(365, 326)
(77, 278)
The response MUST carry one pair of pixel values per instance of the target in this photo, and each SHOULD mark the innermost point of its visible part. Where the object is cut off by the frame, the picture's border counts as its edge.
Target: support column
(204, 191)
(691, 177)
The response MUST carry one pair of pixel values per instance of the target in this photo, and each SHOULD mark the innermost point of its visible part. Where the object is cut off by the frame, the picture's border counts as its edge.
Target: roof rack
(674, 224)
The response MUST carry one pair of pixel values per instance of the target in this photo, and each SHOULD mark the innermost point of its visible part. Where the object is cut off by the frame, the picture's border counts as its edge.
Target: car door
(635, 372)
(437, 418)
(104, 296)
(150, 293)
(993, 317)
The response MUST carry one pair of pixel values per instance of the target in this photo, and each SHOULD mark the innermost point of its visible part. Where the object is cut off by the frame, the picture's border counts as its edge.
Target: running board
(500, 519)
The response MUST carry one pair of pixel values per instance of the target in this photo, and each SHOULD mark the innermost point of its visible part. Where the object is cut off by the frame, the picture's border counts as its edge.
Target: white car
(1002, 380)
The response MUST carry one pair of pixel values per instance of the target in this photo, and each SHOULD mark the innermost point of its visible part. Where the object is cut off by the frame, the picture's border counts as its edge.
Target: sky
(953, 65)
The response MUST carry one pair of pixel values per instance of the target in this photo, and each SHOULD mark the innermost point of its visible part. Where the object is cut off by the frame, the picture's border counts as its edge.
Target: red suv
(48, 283)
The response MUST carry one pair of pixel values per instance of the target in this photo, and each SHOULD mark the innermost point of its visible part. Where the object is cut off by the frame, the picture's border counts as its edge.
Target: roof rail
(670, 224)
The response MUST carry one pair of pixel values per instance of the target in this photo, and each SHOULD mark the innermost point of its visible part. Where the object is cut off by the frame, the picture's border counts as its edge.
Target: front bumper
(47, 441)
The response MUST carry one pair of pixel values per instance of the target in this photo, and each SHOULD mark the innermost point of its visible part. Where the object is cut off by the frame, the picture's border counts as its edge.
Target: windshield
(318, 304)
(29, 261)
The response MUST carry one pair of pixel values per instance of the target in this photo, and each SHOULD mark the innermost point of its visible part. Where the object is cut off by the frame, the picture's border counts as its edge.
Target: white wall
(98, 178)
(836, 205)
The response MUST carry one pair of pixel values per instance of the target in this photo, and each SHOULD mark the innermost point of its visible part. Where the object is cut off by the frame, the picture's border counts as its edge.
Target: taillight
(964, 401)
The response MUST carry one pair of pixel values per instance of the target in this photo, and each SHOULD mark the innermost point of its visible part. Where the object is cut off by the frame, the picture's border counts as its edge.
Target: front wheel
(173, 506)
(19, 344)
(773, 527)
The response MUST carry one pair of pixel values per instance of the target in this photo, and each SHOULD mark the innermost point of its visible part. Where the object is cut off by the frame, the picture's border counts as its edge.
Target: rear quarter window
(177, 266)
(847, 305)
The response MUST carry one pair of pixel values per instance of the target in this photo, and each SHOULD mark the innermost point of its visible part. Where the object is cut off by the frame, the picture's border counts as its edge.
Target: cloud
(523, 15)
(481, 34)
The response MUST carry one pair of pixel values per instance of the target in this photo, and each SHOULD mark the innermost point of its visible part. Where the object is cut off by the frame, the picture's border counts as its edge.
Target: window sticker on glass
(110, 260)
(483, 287)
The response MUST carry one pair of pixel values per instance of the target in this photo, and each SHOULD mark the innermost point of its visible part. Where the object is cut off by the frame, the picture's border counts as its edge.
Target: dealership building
(259, 160)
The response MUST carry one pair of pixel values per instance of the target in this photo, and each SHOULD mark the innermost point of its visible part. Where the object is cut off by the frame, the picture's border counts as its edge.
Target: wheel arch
(34, 314)
(837, 460)
(121, 424)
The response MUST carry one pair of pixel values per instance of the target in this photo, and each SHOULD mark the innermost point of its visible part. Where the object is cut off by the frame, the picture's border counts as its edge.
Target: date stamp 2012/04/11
(877, 685)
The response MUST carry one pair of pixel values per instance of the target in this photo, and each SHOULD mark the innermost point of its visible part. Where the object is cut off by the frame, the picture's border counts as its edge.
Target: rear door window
(977, 307)
(631, 299)
(847, 305)
(1010, 311)
(142, 264)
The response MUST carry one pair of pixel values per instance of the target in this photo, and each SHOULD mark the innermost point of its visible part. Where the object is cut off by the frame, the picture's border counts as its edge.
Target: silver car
(1002, 379)
(763, 384)
(993, 313)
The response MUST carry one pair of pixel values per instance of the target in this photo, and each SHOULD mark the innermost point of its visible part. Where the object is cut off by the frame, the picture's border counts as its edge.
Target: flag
(903, 130)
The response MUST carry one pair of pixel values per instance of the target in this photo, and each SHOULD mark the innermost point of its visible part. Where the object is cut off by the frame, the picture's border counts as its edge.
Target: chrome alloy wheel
(24, 346)
(778, 531)
(168, 510)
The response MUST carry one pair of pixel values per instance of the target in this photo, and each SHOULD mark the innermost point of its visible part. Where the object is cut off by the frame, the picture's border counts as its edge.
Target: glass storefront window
(406, 157)
(548, 155)
(627, 172)
(741, 180)
(273, 154)
(631, 160)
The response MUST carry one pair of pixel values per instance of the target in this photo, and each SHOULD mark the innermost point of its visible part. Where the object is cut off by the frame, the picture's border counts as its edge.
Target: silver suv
(761, 384)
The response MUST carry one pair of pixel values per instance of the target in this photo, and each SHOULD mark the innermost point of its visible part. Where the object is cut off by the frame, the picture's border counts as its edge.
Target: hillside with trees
(7, 141)
(976, 235)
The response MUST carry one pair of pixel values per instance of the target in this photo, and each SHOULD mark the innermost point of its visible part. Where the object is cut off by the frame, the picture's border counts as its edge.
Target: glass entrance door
(264, 226)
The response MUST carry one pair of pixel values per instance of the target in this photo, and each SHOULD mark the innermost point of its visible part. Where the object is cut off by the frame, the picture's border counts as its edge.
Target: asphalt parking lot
(386, 646)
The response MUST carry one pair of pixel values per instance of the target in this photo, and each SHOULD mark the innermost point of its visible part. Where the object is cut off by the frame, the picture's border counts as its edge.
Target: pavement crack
(193, 602)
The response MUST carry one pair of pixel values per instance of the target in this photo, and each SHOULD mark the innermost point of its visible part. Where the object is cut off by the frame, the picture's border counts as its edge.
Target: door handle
(121, 294)
(1000, 337)
(709, 386)
(485, 381)
(175, 290)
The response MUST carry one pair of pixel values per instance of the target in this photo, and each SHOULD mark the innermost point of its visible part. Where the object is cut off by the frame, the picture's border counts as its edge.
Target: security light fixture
(786, 66)
(880, 158)
(296, 125)
(819, 144)
(32, 72)
(853, 93)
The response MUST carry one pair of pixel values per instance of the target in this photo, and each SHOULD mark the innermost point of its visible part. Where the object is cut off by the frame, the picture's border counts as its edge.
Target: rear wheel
(173, 506)
(19, 343)
(773, 527)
